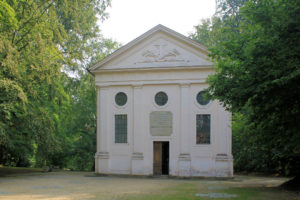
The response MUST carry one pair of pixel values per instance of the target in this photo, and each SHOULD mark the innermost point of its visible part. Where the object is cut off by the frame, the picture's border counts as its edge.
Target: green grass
(188, 191)
(184, 191)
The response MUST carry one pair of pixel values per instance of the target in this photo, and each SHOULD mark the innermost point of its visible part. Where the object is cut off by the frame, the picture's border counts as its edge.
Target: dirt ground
(85, 185)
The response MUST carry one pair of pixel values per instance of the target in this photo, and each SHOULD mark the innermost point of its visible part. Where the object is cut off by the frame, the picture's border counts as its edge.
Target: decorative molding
(102, 87)
(185, 85)
(183, 67)
(102, 155)
(137, 86)
(223, 157)
(160, 53)
(184, 157)
(137, 156)
(149, 82)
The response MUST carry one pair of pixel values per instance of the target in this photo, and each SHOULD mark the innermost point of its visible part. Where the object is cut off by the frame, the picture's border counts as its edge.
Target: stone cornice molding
(102, 155)
(155, 69)
(139, 84)
(137, 156)
(185, 84)
(184, 157)
(102, 87)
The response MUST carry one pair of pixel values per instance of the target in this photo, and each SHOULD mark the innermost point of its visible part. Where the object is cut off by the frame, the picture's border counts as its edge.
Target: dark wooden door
(161, 158)
(157, 158)
(165, 158)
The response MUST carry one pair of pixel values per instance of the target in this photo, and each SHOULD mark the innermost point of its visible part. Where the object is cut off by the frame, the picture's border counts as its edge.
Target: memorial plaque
(161, 123)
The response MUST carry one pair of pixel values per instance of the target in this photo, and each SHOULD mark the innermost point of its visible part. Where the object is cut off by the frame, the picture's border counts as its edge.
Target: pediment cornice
(158, 47)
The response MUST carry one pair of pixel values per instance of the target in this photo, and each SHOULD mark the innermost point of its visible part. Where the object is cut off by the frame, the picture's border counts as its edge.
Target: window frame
(210, 130)
(120, 128)
(115, 101)
(202, 105)
(161, 106)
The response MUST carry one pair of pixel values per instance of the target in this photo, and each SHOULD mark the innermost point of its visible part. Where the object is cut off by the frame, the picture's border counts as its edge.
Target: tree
(77, 125)
(202, 32)
(41, 43)
(256, 49)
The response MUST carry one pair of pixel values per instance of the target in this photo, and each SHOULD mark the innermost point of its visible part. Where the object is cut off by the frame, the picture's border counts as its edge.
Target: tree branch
(38, 18)
(27, 21)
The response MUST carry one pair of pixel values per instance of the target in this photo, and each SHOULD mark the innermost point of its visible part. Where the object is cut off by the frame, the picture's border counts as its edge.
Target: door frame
(161, 157)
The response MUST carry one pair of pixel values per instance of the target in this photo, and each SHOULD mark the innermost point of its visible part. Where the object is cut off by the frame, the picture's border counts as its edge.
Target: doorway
(161, 158)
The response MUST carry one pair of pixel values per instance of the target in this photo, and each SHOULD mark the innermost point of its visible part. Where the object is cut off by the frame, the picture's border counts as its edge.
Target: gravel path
(75, 185)
(85, 185)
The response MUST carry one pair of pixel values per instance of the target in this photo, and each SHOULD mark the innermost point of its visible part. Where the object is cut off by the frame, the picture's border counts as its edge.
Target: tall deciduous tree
(256, 49)
(41, 42)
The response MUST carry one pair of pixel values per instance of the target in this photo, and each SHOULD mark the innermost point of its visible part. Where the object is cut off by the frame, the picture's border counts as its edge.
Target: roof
(143, 37)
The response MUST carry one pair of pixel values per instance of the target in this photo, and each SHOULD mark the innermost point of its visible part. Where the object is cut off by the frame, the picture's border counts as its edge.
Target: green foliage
(46, 115)
(202, 32)
(255, 45)
(250, 152)
(78, 126)
(7, 16)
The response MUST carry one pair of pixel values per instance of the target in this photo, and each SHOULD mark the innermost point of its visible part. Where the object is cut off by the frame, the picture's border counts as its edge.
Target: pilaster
(224, 165)
(184, 159)
(102, 154)
(137, 159)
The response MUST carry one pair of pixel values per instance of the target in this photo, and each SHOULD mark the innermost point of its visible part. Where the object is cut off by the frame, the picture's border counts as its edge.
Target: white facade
(159, 60)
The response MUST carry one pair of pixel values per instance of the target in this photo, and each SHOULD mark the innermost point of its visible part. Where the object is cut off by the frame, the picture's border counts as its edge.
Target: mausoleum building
(153, 117)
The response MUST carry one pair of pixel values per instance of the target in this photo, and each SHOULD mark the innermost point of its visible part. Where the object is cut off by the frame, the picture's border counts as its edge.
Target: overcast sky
(129, 19)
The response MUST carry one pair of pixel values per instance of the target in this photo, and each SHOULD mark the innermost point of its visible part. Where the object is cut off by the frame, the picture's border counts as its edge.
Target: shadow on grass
(6, 171)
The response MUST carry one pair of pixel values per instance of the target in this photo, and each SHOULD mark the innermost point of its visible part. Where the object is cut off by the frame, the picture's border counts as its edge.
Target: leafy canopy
(255, 45)
(41, 44)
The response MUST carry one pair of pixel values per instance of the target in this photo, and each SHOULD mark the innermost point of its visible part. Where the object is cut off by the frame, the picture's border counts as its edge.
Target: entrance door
(161, 158)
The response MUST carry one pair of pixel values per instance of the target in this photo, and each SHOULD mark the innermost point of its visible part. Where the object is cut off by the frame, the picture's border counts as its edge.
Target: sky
(129, 19)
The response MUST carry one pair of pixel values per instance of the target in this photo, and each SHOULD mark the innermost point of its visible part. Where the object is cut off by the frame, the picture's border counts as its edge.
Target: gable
(156, 50)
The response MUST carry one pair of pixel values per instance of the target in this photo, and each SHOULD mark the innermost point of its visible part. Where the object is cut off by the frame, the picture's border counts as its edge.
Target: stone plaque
(161, 123)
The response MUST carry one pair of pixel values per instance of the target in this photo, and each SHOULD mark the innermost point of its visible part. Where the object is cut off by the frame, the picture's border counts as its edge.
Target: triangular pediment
(160, 48)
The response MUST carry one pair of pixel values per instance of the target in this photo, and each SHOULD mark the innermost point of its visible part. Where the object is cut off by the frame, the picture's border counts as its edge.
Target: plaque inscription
(161, 123)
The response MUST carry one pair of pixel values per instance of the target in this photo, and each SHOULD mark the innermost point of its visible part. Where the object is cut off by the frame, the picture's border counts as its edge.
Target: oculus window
(121, 99)
(203, 129)
(120, 128)
(161, 98)
(202, 99)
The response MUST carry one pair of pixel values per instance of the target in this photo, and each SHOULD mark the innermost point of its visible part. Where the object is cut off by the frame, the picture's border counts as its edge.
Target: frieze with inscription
(161, 123)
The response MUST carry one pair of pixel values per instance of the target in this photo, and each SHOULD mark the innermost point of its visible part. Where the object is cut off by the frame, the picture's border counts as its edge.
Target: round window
(161, 98)
(202, 99)
(121, 99)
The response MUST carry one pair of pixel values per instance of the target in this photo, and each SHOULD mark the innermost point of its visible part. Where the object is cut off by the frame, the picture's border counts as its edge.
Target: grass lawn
(28, 184)
(195, 190)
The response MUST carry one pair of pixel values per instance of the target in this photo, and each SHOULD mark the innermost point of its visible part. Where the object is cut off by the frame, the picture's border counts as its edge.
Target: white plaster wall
(173, 93)
(202, 156)
(120, 154)
(202, 163)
